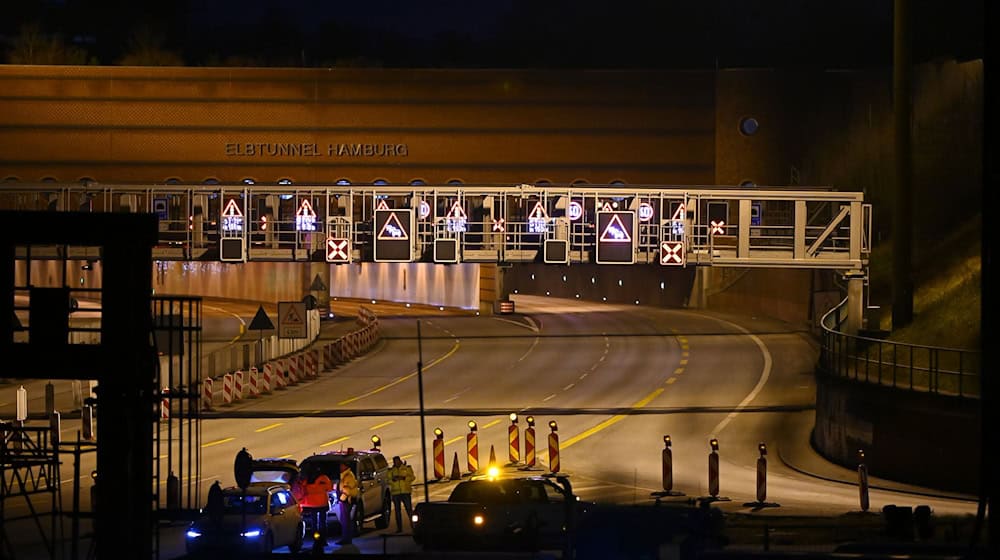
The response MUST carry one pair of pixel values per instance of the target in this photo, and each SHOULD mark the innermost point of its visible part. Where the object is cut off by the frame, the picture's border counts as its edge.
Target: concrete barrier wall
(919, 438)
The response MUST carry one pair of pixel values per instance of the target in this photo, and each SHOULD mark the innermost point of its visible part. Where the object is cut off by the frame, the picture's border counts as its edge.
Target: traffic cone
(456, 473)
(493, 456)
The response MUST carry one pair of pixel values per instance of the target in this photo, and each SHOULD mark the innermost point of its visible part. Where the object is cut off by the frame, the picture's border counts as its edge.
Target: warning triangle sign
(607, 207)
(538, 212)
(317, 285)
(261, 322)
(292, 317)
(306, 209)
(456, 212)
(381, 205)
(232, 209)
(615, 231)
(392, 230)
(679, 213)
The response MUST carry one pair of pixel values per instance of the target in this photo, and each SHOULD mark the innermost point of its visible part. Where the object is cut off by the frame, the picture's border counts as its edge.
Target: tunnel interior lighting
(620, 283)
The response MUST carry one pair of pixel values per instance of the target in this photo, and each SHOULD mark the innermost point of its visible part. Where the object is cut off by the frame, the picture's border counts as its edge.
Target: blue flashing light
(252, 533)
(193, 533)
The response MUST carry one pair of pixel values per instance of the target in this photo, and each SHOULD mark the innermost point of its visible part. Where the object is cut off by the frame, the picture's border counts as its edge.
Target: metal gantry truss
(451, 223)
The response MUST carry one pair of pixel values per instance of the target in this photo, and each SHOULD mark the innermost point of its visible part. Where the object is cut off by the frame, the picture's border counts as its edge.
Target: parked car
(259, 519)
(372, 471)
(529, 513)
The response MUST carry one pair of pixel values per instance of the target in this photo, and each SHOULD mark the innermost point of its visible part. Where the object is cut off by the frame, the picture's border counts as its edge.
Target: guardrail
(930, 369)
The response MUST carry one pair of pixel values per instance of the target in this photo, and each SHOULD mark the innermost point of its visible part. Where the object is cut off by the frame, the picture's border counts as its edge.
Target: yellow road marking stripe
(610, 421)
(403, 378)
(678, 371)
(671, 381)
(493, 423)
(382, 425)
(269, 427)
(684, 362)
(336, 441)
(217, 442)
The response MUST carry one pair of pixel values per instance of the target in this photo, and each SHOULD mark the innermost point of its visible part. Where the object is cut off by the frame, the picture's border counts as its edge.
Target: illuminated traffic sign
(456, 219)
(538, 219)
(645, 212)
(392, 235)
(232, 217)
(574, 211)
(338, 250)
(381, 205)
(498, 225)
(718, 227)
(305, 217)
(425, 209)
(672, 253)
(616, 240)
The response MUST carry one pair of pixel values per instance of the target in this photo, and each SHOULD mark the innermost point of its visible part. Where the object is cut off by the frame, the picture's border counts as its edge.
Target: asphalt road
(616, 379)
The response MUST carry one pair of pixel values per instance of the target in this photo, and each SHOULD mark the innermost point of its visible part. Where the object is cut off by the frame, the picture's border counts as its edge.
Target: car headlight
(252, 533)
(193, 533)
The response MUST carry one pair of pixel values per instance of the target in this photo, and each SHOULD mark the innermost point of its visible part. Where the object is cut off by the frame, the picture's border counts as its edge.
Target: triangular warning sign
(261, 322)
(232, 209)
(392, 230)
(538, 212)
(317, 285)
(292, 317)
(456, 212)
(381, 205)
(306, 209)
(615, 231)
(679, 213)
(607, 207)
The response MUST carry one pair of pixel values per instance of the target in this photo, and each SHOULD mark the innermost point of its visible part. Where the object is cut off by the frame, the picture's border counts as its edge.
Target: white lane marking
(764, 375)
(550, 397)
(568, 387)
(530, 348)
(531, 327)
(243, 323)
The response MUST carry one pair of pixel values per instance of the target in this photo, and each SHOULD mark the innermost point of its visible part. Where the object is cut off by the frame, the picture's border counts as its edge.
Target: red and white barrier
(554, 452)
(253, 383)
(165, 403)
(238, 390)
(207, 396)
(267, 378)
(227, 388)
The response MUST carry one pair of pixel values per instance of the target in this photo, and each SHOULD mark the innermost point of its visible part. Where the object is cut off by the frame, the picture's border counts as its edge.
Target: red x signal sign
(718, 228)
(338, 250)
(498, 225)
(672, 253)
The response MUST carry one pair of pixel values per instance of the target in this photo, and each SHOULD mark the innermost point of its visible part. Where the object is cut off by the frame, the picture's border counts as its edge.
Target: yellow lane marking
(684, 362)
(678, 371)
(493, 423)
(671, 381)
(610, 421)
(217, 442)
(405, 457)
(685, 354)
(454, 439)
(269, 427)
(336, 441)
(403, 378)
(382, 425)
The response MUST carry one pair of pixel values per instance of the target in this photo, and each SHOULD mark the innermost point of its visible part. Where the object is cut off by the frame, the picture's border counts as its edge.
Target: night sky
(506, 33)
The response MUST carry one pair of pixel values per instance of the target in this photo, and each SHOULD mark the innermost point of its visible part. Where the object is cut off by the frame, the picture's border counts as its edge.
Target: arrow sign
(261, 322)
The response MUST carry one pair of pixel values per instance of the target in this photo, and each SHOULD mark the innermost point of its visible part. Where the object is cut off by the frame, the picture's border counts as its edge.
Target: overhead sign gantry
(556, 224)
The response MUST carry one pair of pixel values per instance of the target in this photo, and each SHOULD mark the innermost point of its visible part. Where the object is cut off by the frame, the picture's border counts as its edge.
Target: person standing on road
(401, 478)
(316, 501)
(348, 494)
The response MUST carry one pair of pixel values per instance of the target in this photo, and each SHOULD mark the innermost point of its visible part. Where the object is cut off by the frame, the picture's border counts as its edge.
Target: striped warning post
(227, 388)
(439, 458)
(529, 446)
(253, 383)
(165, 403)
(554, 452)
(277, 375)
(238, 390)
(266, 378)
(472, 448)
(761, 479)
(290, 371)
(207, 395)
(312, 362)
(514, 441)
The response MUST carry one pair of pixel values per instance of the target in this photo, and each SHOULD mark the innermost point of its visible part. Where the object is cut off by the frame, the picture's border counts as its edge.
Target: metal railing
(930, 369)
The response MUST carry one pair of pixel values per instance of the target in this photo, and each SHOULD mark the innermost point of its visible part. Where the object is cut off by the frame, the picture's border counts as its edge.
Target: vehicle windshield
(234, 504)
